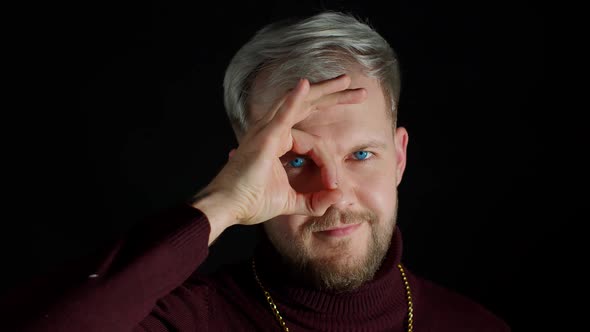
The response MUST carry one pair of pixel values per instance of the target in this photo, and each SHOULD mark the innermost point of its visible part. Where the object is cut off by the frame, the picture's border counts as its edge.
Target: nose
(346, 185)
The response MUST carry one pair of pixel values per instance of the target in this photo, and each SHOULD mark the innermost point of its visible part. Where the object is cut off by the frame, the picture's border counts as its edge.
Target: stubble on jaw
(338, 271)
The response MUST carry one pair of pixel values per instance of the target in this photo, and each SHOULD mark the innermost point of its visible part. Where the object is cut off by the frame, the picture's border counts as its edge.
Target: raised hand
(253, 186)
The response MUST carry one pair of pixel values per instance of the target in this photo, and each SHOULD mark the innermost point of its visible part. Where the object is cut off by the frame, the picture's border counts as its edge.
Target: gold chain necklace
(279, 318)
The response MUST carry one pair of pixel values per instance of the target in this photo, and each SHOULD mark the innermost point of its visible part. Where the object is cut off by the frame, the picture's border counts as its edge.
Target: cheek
(377, 192)
(283, 227)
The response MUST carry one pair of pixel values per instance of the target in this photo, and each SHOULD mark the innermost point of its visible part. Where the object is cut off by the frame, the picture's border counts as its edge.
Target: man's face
(370, 158)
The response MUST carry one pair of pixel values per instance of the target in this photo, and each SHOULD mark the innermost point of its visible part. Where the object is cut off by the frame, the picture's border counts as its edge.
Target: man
(313, 104)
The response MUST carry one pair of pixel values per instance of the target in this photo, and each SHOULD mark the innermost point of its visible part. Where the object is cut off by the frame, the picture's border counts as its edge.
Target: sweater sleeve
(129, 286)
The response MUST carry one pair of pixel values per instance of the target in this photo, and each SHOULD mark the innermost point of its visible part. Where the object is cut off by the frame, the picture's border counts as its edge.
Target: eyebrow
(372, 143)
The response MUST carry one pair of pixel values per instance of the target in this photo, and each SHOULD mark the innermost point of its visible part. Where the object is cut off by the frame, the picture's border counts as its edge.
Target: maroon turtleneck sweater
(147, 282)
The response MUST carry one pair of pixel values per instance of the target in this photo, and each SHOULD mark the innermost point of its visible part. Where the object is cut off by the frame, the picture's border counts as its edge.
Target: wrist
(218, 210)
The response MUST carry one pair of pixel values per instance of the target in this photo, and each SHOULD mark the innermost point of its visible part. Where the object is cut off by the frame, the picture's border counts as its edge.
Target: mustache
(335, 217)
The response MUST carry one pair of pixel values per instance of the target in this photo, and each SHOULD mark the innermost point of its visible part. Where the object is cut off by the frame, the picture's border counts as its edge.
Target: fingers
(295, 102)
(307, 144)
(314, 204)
(350, 96)
(305, 99)
(330, 86)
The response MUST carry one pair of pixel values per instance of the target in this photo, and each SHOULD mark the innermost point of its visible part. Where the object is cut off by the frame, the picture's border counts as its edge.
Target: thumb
(316, 203)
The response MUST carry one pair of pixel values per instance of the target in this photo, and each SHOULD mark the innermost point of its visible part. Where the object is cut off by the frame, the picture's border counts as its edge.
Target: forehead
(351, 122)
(372, 111)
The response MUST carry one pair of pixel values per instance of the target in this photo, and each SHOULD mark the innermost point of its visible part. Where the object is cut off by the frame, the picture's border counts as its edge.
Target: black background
(148, 129)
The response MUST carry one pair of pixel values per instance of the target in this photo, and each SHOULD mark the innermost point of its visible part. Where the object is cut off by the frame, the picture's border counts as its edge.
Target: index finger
(306, 98)
(324, 88)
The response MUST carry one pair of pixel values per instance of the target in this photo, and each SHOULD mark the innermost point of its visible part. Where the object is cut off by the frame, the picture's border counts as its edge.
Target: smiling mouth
(340, 231)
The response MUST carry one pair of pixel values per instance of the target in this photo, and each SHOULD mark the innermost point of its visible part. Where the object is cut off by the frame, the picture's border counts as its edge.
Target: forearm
(218, 210)
(120, 291)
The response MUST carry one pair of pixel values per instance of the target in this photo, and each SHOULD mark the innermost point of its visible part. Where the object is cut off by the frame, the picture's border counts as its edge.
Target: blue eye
(297, 162)
(361, 155)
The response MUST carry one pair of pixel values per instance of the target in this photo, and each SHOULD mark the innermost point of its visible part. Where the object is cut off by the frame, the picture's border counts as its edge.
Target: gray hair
(319, 47)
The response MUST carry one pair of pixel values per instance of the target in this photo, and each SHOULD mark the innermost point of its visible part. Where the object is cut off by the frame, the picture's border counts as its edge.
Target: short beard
(346, 273)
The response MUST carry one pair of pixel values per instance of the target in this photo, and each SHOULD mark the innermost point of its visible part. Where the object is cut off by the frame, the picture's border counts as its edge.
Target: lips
(340, 231)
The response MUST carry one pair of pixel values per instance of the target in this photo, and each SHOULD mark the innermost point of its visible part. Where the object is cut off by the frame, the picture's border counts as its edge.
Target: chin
(339, 274)
(345, 251)
(336, 262)
(342, 265)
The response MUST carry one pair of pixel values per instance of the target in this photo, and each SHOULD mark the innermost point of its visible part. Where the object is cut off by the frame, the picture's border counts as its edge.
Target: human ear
(401, 144)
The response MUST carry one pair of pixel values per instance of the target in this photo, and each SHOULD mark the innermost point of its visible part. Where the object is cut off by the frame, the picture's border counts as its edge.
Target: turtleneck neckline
(384, 293)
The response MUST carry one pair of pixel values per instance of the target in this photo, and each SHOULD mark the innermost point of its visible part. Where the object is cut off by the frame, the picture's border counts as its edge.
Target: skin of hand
(253, 186)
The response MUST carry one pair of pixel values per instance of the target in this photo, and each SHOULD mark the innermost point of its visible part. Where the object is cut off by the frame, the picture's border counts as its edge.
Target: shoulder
(446, 310)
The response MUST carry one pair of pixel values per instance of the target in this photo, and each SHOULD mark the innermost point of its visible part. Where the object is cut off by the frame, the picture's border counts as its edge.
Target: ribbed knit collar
(382, 298)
